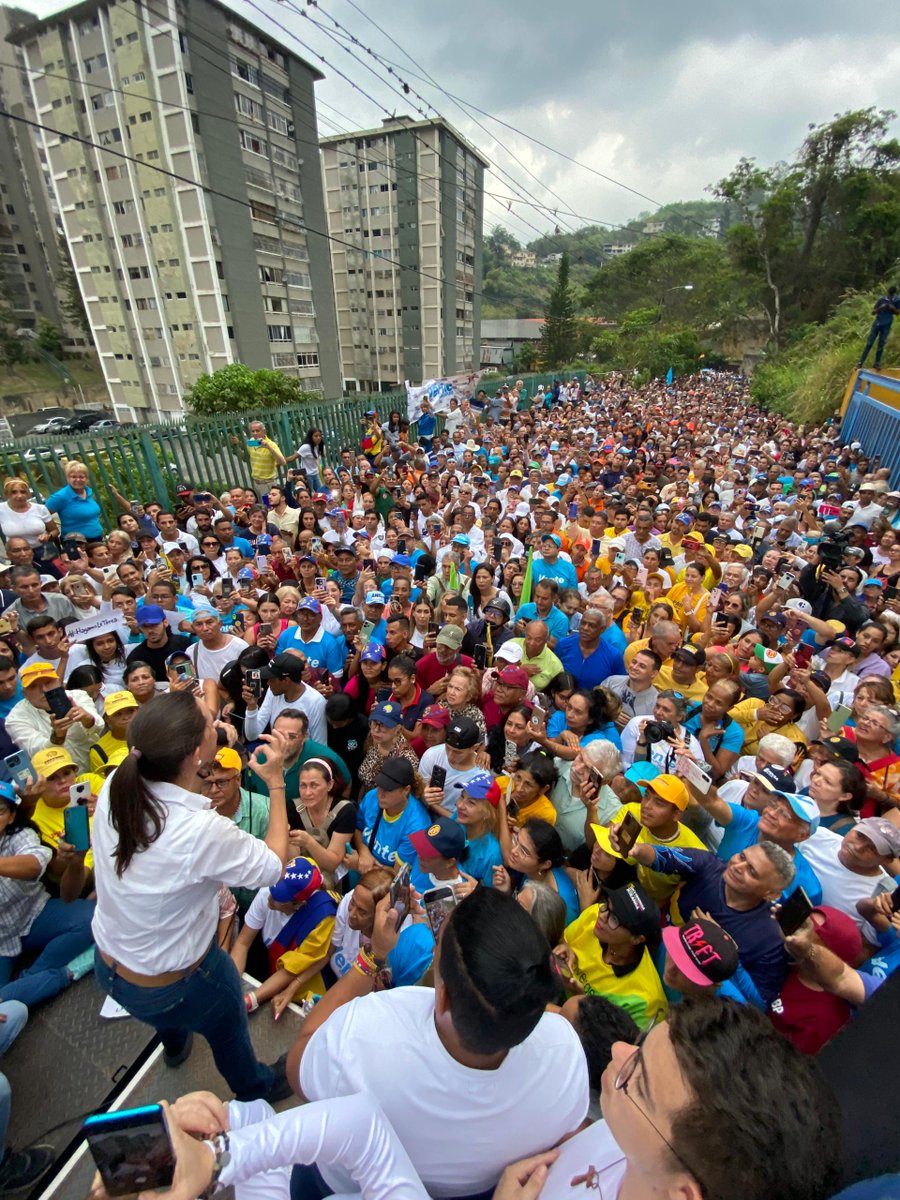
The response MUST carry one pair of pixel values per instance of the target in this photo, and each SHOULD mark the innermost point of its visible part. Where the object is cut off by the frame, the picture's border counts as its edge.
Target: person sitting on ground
(296, 916)
(353, 927)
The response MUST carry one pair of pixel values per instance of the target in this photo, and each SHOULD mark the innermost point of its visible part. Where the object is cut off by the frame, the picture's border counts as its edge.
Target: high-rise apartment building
(405, 211)
(29, 250)
(194, 213)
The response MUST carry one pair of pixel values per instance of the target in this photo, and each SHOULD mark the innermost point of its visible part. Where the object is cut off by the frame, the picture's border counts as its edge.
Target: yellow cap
(671, 789)
(54, 758)
(601, 833)
(37, 670)
(229, 759)
(116, 701)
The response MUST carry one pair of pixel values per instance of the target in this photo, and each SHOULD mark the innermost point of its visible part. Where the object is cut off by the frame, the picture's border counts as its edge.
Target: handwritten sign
(83, 631)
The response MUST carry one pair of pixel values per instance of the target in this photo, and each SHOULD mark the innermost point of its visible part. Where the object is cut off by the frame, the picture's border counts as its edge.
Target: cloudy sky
(662, 98)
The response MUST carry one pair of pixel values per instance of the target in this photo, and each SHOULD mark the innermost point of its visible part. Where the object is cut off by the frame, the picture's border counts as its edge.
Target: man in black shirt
(159, 641)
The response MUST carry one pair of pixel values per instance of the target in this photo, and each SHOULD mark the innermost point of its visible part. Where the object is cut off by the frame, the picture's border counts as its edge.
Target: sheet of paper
(111, 1010)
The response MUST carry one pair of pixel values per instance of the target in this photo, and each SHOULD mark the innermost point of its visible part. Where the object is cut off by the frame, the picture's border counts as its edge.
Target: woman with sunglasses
(211, 548)
(197, 567)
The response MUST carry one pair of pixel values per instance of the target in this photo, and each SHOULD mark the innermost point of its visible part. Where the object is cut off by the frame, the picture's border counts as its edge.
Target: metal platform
(69, 1061)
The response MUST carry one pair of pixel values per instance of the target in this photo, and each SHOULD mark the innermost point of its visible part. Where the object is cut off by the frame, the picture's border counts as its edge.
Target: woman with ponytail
(161, 854)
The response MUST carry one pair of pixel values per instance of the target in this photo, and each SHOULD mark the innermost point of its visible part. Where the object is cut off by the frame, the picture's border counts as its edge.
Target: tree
(560, 333)
(71, 299)
(49, 338)
(237, 388)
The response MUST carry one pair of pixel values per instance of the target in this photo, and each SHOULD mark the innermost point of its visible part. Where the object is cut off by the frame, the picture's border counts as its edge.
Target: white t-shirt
(211, 663)
(436, 756)
(28, 525)
(593, 1152)
(662, 755)
(459, 1126)
(269, 920)
(842, 888)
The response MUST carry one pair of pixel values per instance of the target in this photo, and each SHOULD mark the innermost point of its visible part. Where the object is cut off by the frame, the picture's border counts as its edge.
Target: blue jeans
(61, 933)
(877, 333)
(16, 1015)
(209, 1000)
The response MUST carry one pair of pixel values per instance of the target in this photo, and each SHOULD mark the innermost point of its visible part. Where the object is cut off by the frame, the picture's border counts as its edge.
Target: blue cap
(203, 610)
(300, 880)
(551, 537)
(386, 714)
(462, 539)
(246, 573)
(375, 597)
(9, 795)
(684, 519)
(401, 560)
(482, 786)
(150, 614)
(309, 604)
(374, 652)
(641, 773)
(803, 807)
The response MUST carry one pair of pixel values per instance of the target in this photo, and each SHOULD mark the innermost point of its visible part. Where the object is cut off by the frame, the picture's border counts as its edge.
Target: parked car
(104, 425)
(37, 452)
(51, 425)
(81, 422)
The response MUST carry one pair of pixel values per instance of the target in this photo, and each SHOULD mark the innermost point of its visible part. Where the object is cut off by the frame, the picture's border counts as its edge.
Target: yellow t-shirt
(264, 459)
(664, 679)
(542, 807)
(745, 715)
(316, 946)
(51, 824)
(640, 992)
(687, 605)
(659, 886)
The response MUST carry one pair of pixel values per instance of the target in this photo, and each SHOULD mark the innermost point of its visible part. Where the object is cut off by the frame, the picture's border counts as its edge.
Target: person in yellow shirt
(118, 709)
(265, 458)
(56, 771)
(524, 793)
(608, 950)
(681, 673)
(665, 799)
(690, 599)
(778, 714)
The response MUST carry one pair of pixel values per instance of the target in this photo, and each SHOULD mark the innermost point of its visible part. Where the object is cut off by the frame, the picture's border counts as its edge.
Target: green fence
(148, 460)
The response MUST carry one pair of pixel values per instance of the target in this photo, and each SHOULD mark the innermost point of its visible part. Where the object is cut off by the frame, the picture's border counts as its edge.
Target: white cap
(509, 653)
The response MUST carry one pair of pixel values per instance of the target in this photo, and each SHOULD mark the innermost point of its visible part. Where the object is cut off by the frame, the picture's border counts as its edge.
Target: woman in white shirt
(21, 517)
(160, 856)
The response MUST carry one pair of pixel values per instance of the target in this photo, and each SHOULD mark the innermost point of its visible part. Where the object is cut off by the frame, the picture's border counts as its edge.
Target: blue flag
(670, 376)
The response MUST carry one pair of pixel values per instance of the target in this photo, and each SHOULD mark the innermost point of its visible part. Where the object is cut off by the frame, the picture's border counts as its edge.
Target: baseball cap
(375, 598)
(320, 498)
(204, 610)
(803, 807)
(551, 537)
(513, 677)
(228, 759)
(742, 550)
(387, 714)
(35, 671)
(9, 795)
(499, 604)
(246, 573)
(702, 951)
(300, 880)
(839, 747)
(150, 614)
(879, 583)
(798, 604)
(635, 909)
(436, 715)
(671, 789)
(461, 539)
(462, 734)
(884, 836)
(769, 658)
(444, 839)
(509, 652)
(684, 519)
(695, 655)
(775, 779)
(401, 560)
(52, 759)
(374, 652)
(450, 635)
(640, 773)
(601, 833)
(285, 666)
(395, 772)
(482, 786)
(846, 643)
(309, 604)
(116, 701)
(345, 550)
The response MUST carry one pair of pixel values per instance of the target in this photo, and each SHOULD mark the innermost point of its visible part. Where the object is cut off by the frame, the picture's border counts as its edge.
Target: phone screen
(629, 832)
(132, 1149)
(400, 894)
(479, 656)
(438, 903)
(794, 911)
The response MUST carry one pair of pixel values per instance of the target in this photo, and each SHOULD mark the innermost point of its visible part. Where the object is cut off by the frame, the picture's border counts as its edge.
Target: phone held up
(132, 1149)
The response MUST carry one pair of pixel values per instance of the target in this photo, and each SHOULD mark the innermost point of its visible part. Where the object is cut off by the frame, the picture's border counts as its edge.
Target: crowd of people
(552, 741)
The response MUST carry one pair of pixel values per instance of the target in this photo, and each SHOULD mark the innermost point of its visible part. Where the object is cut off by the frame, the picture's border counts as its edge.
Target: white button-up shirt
(161, 915)
(31, 730)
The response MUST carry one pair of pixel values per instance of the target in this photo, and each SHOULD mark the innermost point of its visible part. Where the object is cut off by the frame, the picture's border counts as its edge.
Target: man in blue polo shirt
(543, 608)
(321, 649)
(551, 566)
(586, 655)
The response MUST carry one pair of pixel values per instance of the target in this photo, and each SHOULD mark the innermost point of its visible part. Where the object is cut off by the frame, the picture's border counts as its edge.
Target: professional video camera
(834, 543)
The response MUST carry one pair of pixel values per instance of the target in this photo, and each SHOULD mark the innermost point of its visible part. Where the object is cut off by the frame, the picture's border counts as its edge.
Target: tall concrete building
(29, 233)
(408, 198)
(196, 228)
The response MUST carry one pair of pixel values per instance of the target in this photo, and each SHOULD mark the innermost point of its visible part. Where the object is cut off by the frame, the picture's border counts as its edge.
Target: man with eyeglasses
(221, 783)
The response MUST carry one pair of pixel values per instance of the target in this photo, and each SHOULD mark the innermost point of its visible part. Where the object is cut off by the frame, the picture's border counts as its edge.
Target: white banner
(439, 392)
(82, 631)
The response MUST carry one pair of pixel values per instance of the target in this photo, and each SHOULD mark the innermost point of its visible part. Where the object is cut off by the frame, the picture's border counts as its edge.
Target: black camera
(658, 731)
(833, 546)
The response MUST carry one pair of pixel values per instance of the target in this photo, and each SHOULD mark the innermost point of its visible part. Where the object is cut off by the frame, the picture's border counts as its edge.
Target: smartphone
(696, 776)
(629, 833)
(803, 653)
(254, 683)
(5, 627)
(512, 805)
(401, 545)
(480, 655)
(637, 615)
(420, 573)
(573, 510)
(72, 550)
(891, 593)
(76, 823)
(438, 903)
(717, 596)
(58, 702)
(161, 563)
(433, 628)
(575, 621)
(785, 581)
(382, 695)
(20, 769)
(538, 715)
(839, 718)
(438, 777)
(794, 911)
(197, 580)
(365, 633)
(895, 899)
(227, 587)
(265, 629)
(262, 562)
(369, 564)
(619, 559)
(400, 894)
(496, 549)
(183, 671)
(132, 1149)
(320, 583)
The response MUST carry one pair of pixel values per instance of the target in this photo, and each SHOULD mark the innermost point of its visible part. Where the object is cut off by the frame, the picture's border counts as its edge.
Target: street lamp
(679, 287)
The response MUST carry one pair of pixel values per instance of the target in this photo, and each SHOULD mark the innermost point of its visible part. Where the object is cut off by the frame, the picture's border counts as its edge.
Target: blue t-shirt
(744, 831)
(887, 958)
(556, 620)
(730, 738)
(426, 425)
(563, 572)
(556, 723)
(325, 652)
(481, 857)
(391, 843)
(77, 514)
(568, 892)
(593, 670)
(239, 543)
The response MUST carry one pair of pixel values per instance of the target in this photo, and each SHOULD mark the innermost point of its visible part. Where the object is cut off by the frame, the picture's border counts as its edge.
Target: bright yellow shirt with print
(51, 825)
(542, 807)
(658, 885)
(639, 992)
(754, 729)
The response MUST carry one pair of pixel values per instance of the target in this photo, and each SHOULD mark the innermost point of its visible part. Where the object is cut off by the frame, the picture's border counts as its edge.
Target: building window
(279, 333)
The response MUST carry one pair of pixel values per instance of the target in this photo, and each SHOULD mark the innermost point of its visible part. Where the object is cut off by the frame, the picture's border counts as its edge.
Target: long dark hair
(163, 733)
(318, 450)
(95, 657)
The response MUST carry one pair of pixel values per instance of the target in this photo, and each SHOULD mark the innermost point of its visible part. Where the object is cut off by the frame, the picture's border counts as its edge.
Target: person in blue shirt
(476, 812)
(885, 309)
(426, 425)
(439, 849)
(75, 505)
(586, 656)
(320, 648)
(543, 608)
(224, 531)
(698, 959)
(879, 911)
(347, 574)
(720, 736)
(551, 566)
(387, 814)
(787, 820)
